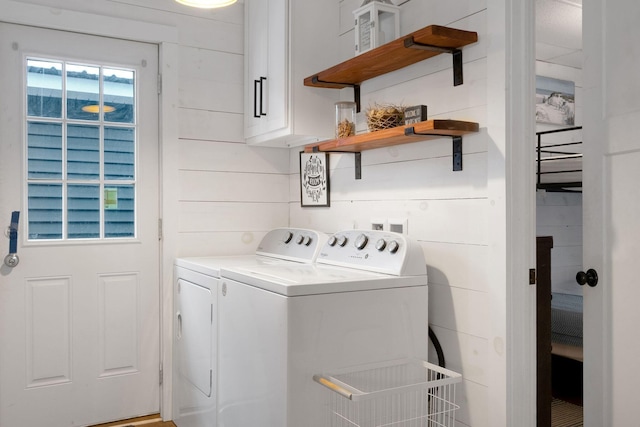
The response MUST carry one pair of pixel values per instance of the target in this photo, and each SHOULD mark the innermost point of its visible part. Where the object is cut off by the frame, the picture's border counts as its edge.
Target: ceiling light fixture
(206, 4)
(94, 108)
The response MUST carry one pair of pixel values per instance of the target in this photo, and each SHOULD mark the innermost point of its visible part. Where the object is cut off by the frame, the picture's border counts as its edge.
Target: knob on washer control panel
(393, 246)
(361, 241)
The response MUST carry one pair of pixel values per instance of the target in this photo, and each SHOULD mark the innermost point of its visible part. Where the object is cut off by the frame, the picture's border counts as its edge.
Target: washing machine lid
(284, 244)
(296, 279)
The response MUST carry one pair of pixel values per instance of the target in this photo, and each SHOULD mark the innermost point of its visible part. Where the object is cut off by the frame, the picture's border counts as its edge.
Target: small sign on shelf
(415, 114)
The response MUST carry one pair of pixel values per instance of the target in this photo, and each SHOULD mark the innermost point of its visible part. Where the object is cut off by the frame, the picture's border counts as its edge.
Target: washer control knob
(393, 246)
(361, 241)
(288, 237)
(307, 240)
(342, 240)
(380, 245)
(332, 241)
(300, 239)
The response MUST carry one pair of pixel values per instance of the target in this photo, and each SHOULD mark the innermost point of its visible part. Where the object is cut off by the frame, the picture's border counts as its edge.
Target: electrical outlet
(398, 225)
(378, 224)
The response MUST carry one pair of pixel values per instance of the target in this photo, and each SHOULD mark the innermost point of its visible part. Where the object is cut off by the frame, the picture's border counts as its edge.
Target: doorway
(559, 193)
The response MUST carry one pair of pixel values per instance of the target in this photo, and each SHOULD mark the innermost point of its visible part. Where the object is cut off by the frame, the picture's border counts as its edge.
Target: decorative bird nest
(384, 117)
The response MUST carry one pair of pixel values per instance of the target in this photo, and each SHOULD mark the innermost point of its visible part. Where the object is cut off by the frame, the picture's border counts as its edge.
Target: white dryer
(195, 301)
(364, 301)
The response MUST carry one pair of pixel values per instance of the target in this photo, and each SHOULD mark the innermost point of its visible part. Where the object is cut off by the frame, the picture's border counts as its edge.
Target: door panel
(79, 314)
(611, 204)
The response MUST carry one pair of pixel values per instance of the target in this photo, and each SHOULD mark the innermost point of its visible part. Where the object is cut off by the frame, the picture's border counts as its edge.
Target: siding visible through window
(73, 161)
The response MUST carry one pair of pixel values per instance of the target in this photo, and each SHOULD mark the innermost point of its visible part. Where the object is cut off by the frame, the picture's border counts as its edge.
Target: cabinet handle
(262, 79)
(255, 98)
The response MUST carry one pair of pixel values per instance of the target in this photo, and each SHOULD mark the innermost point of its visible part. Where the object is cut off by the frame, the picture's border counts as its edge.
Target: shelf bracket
(456, 145)
(357, 159)
(355, 86)
(409, 42)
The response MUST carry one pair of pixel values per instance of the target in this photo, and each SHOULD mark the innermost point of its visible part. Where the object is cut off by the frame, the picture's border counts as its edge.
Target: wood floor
(153, 420)
(565, 414)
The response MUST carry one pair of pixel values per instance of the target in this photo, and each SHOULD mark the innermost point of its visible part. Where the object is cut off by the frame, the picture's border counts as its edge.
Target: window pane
(119, 211)
(119, 153)
(44, 88)
(83, 92)
(118, 94)
(45, 211)
(44, 150)
(83, 211)
(83, 152)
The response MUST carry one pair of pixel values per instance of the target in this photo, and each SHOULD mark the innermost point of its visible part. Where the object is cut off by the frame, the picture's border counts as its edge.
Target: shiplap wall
(560, 214)
(446, 211)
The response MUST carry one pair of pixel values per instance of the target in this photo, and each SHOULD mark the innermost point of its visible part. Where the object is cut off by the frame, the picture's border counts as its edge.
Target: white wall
(560, 215)
(446, 211)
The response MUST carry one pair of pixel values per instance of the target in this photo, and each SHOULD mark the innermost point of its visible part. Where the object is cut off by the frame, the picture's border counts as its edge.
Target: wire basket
(406, 393)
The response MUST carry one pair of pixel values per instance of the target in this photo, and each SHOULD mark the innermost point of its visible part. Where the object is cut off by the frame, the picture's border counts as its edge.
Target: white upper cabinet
(286, 41)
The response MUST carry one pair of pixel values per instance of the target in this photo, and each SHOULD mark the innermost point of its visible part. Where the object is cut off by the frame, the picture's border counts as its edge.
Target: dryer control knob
(381, 244)
(307, 240)
(342, 240)
(361, 241)
(288, 237)
(332, 241)
(300, 239)
(393, 246)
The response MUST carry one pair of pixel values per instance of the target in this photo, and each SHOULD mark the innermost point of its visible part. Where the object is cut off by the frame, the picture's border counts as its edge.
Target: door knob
(590, 277)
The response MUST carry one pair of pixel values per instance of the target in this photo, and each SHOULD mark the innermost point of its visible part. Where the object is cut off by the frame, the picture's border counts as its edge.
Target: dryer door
(195, 335)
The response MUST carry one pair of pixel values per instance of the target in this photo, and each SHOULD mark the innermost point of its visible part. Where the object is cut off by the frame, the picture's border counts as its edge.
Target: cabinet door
(266, 85)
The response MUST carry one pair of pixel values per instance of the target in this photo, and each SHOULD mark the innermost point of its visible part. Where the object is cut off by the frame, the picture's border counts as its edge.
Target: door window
(81, 151)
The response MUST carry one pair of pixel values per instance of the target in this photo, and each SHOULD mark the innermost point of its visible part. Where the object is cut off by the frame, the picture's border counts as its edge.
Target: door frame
(166, 37)
(511, 368)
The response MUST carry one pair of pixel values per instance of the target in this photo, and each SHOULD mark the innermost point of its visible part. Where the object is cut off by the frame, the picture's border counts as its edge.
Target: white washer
(364, 301)
(195, 301)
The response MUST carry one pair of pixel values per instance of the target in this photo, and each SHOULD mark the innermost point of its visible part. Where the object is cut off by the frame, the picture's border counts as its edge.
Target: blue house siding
(82, 183)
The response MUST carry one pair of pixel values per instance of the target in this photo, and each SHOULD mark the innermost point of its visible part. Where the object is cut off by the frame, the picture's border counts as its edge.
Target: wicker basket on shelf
(384, 117)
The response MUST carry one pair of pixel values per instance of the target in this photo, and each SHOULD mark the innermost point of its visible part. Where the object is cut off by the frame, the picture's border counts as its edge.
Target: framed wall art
(555, 101)
(314, 179)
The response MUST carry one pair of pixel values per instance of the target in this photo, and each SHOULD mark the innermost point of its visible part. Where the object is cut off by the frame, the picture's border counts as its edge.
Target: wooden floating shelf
(429, 129)
(415, 47)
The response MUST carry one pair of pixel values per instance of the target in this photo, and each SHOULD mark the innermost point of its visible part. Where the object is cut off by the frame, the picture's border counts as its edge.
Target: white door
(79, 313)
(611, 211)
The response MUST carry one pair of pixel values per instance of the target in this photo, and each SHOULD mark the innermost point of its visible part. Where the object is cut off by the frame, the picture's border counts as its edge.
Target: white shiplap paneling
(560, 215)
(446, 211)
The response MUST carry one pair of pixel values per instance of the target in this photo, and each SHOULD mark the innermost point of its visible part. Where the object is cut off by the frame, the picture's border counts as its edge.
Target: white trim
(597, 367)
(169, 155)
(510, 125)
(17, 12)
(521, 208)
(166, 37)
